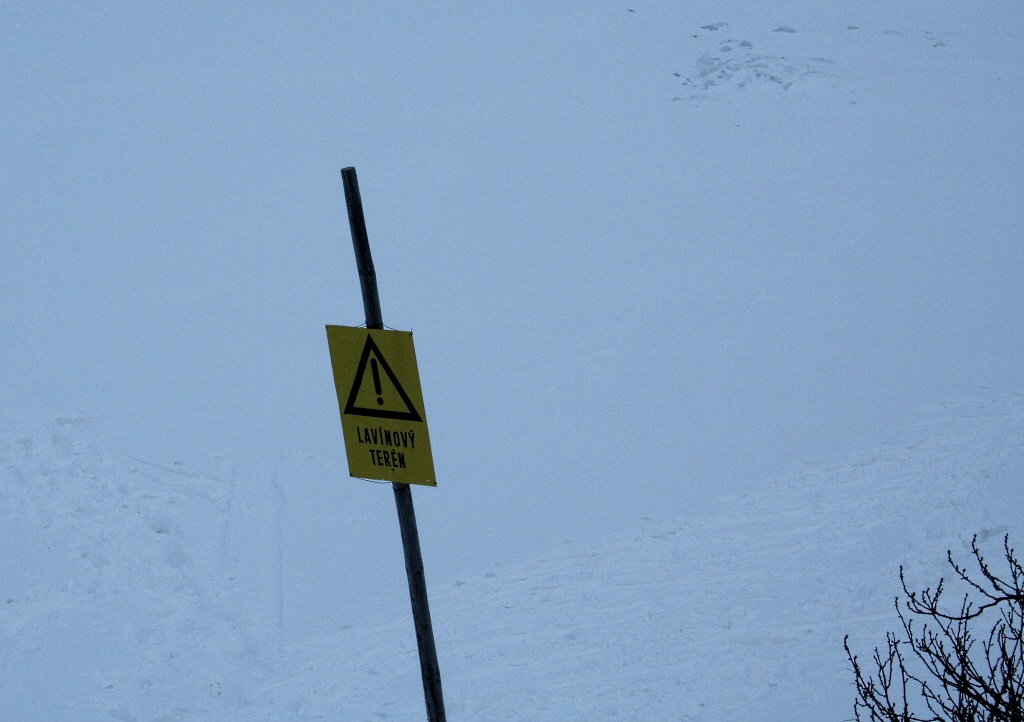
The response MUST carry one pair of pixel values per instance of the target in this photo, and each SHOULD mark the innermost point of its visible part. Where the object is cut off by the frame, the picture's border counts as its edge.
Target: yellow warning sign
(381, 404)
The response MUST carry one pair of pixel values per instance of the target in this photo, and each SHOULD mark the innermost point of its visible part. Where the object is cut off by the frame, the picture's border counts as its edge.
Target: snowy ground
(128, 596)
(679, 275)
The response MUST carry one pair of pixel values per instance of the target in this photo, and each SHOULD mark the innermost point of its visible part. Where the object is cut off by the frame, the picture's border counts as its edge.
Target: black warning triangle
(377, 364)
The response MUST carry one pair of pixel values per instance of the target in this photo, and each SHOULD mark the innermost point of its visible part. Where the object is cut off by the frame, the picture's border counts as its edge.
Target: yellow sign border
(391, 443)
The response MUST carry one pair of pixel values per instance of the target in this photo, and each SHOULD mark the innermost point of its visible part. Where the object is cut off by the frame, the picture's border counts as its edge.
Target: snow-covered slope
(663, 261)
(125, 593)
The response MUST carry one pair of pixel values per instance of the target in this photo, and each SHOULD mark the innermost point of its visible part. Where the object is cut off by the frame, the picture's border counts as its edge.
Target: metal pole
(429, 668)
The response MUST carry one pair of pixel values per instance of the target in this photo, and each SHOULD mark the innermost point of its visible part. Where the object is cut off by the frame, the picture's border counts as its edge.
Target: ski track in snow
(155, 593)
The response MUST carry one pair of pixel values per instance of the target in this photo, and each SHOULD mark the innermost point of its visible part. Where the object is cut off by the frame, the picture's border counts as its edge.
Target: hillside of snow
(718, 311)
(130, 593)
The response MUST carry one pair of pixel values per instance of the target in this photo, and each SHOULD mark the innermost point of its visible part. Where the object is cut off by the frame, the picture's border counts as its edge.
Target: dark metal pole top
(361, 245)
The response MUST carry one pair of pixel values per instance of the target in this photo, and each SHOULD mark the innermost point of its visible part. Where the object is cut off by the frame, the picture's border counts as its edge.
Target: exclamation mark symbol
(376, 382)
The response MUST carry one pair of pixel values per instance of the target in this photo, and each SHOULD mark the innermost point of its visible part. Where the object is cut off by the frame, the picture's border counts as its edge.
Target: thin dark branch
(950, 674)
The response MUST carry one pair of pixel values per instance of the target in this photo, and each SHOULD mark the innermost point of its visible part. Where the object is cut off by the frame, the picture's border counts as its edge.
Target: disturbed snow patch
(772, 59)
(777, 59)
(749, 67)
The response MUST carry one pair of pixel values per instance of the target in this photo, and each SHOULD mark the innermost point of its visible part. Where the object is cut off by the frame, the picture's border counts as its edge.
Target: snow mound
(116, 581)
